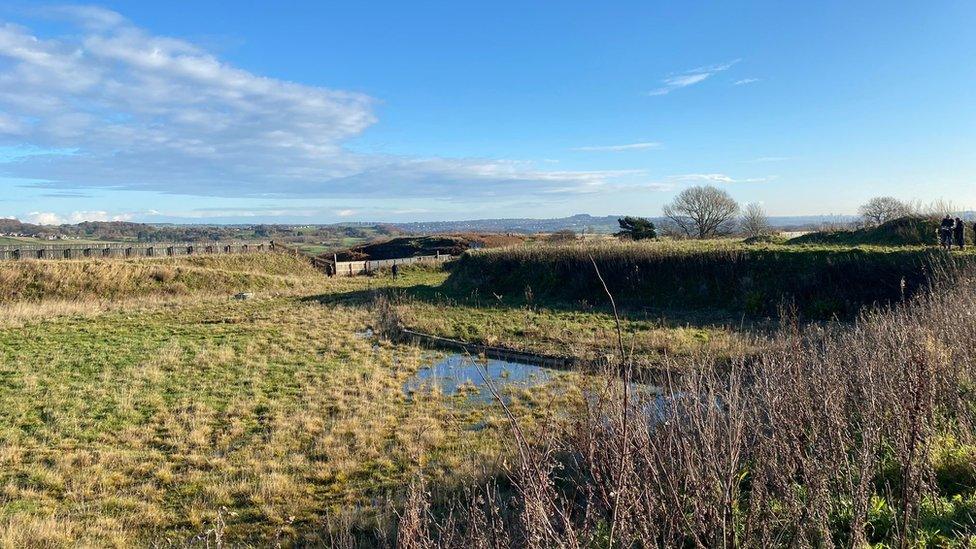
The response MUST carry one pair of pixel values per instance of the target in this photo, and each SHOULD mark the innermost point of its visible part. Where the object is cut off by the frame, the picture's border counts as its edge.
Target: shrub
(822, 282)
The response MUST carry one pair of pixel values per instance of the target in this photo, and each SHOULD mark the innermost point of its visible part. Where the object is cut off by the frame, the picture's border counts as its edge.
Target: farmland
(142, 404)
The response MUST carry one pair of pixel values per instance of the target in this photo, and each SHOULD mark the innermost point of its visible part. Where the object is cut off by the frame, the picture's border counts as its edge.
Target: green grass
(155, 419)
(567, 332)
(147, 421)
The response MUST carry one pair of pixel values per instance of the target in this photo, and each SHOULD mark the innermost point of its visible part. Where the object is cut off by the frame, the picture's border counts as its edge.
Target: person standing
(945, 233)
(959, 231)
(395, 270)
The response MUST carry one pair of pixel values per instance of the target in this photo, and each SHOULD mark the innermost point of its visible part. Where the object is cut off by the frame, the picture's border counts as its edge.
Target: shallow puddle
(464, 374)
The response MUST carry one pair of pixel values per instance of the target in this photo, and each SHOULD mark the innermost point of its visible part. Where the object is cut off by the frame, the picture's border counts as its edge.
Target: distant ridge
(580, 222)
(148, 232)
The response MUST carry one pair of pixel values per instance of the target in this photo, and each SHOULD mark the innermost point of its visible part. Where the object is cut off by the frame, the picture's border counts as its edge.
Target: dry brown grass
(826, 437)
(116, 279)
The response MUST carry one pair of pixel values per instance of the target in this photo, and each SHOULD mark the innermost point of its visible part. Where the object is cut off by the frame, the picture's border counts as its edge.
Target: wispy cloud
(716, 178)
(745, 81)
(691, 77)
(111, 105)
(66, 194)
(616, 148)
(767, 159)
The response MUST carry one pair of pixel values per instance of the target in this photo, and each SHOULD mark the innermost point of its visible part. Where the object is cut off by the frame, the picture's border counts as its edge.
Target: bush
(904, 231)
(820, 282)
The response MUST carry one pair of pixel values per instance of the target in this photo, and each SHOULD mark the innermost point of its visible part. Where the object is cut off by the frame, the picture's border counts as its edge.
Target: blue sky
(318, 112)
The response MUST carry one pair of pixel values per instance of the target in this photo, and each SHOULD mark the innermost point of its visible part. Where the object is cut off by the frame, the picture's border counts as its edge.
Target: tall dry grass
(826, 437)
(108, 279)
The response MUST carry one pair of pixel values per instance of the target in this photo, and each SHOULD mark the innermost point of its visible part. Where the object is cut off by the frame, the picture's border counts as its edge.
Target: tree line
(705, 211)
(700, 212)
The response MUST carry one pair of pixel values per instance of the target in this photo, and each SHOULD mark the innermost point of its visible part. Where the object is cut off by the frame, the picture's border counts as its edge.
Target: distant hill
(343, 235)
(585, 222)
(579, 223)
(336, 236)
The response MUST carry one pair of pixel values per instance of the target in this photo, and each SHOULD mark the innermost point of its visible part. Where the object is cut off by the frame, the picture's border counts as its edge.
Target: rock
(243, 295)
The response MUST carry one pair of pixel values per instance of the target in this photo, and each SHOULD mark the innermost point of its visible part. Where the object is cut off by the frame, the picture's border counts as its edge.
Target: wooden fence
(127, 249)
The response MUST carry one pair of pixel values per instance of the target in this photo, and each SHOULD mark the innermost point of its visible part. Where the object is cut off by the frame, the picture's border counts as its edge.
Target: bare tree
(937, 208)
(703, 212)
(883, 208)
(754, 221)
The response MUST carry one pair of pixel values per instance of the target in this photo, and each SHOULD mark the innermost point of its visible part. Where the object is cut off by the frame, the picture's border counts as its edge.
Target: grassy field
(143, 405)
(192, 415)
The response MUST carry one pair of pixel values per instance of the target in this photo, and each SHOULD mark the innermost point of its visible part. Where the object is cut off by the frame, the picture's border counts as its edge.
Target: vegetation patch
(253, 422)
(820, 282)
(903, 231)
(115, 279)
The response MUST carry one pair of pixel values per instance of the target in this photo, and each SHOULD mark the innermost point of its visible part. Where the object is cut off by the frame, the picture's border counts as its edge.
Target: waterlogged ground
(475, 377)
(270, 419)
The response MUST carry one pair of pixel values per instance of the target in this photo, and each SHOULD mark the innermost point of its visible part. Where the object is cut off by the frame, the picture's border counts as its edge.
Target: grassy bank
(822, 281)
(566, 332)
(112, 279)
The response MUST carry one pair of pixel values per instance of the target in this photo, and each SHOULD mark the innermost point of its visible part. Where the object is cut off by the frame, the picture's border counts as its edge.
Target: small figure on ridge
(958, 231)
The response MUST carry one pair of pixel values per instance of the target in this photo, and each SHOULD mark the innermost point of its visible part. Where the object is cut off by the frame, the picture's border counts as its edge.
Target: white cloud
(346, 213)
(715, 178)
(111, 105)
(99, 215)
(616, 148)
(745, 81)
(210, 213)
(692, 77)
(44, 218)
(51, 218)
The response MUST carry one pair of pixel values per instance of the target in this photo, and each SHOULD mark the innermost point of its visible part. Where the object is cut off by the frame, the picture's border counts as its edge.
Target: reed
(851, 436)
